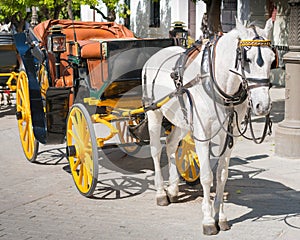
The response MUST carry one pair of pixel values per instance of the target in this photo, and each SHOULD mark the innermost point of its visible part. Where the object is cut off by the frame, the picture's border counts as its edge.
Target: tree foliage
(18, 11)
(114, 7)
(14, 11)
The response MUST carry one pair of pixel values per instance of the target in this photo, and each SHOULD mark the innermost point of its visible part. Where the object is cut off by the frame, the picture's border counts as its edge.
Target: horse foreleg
(206, 179)
(222, 175)
(154, 125)
(172, 144)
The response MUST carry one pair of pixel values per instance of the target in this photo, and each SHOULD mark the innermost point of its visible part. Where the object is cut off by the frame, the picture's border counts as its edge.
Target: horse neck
(225, 56)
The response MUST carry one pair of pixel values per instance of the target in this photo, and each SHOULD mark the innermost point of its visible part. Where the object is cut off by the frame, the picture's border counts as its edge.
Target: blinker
(260, 62)
(254, 43)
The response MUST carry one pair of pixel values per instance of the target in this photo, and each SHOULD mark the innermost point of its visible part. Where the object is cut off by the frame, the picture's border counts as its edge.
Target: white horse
(238, 67)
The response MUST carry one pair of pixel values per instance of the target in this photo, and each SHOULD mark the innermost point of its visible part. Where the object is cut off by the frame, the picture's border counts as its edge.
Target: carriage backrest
(125, 60)
(84, 32)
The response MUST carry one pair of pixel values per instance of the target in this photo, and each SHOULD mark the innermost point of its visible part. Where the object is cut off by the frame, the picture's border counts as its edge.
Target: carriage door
(228, 14)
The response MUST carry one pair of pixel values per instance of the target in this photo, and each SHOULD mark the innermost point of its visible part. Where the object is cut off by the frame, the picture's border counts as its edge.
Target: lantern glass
(58, 43)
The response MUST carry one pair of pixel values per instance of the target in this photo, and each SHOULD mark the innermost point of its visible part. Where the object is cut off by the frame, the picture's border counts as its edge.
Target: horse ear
(240, 27)
(238, 24)
(268, 27)
(8, 25)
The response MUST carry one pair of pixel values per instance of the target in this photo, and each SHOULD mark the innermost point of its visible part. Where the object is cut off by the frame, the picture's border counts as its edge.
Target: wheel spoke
(193, 169)
(76, 164)
(74, 136)
(79, 124)
(74, 122)
(85, 178)
(80, 174)
(21, 95)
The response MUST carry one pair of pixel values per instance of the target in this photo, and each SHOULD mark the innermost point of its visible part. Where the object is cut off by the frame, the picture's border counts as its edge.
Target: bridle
(241, 57)
(247, 84)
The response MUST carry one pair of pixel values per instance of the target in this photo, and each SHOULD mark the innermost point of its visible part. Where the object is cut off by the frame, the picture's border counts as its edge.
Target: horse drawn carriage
(76, 76)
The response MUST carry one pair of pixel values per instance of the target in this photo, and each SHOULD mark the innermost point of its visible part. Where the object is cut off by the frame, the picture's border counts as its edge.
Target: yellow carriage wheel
(82, 150)
(29, 144)
(187, 161)
(125, 137)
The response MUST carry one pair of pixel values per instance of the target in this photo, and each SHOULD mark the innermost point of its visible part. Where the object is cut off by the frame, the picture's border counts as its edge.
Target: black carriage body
(117, 70)
(125, 60)
(48, 113)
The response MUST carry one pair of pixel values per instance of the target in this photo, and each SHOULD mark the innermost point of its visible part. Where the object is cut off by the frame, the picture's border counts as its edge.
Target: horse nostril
(259, 107)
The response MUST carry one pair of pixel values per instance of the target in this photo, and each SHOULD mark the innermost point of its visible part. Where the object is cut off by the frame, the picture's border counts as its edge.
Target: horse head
(255, 59)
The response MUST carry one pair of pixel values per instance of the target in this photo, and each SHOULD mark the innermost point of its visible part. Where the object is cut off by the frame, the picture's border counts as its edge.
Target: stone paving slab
(40, 201)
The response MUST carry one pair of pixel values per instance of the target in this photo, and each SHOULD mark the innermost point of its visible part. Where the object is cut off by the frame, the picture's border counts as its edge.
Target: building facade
(154, 18)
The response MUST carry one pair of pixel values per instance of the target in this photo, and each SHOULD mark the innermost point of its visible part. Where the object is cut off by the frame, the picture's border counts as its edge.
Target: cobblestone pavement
(40, 201)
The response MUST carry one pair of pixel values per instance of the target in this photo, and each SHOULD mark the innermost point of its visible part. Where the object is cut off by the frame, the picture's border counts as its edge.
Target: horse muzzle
(258, 92)
(261, 109)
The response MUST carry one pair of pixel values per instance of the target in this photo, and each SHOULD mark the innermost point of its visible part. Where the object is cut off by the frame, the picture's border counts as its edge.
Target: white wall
(87, 14)
(200, 10)
(170, 11)
(140, 18)
(179, 11)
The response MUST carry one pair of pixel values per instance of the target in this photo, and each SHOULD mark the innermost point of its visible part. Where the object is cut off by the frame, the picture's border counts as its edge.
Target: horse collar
(211, 87)
(184, 61)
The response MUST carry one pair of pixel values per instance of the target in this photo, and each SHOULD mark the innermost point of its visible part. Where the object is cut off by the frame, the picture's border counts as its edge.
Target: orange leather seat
(90, 49)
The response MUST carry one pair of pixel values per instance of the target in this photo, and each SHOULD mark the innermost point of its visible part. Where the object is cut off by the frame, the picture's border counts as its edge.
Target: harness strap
(185, 59)
(259, 82)
(239, 97)
(182, 63)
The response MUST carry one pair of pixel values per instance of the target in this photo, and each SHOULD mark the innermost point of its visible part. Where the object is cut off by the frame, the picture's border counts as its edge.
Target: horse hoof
(224, 226)
(172, 199)
(162, 201)
(210, 230)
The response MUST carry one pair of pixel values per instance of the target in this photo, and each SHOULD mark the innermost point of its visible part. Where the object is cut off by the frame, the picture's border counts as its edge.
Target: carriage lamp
(56, 44)
(179, 33)
(56, 40)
